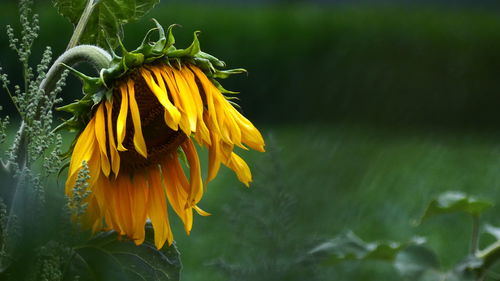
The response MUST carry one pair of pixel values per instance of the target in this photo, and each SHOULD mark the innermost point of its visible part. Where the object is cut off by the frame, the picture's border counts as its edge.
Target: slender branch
(490, 256)
(475, 235)
(11, 97)
(82, 23)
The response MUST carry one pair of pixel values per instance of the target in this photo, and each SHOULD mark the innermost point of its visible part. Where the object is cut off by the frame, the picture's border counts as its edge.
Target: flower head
(140, 118)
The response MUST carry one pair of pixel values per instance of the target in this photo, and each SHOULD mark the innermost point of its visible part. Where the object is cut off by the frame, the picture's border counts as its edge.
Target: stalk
(82, 23)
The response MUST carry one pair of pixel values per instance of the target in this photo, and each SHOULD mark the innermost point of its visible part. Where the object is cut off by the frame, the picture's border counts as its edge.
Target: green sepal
(190, 51)
(130, 59)
(223, 74)
(77, 107)
(220, 88)
(170, 36)
(212, 59)
(235, 105)
(90, 84)
(109, 95)
(98, 97)
(204, 64)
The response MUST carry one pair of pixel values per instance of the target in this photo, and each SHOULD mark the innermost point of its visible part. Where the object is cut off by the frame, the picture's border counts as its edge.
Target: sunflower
(149, 109)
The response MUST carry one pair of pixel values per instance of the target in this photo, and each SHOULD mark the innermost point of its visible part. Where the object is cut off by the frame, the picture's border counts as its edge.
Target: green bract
(95, 89)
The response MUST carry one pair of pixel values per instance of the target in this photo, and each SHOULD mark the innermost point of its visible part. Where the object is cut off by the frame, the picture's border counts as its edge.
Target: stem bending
(94, 55)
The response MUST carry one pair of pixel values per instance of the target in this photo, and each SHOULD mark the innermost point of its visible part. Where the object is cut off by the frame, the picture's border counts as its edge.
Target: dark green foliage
(269, 248)
(350, 247)
(105, 25)
(453, 201)
(105, 257)
(414, 261)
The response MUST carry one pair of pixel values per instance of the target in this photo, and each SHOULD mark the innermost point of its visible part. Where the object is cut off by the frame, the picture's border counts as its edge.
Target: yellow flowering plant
(139, 126)
(145, 111)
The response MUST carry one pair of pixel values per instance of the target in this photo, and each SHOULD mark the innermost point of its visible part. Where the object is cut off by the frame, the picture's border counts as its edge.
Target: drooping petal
(138, 193)
(214, 158)
(172, 114)
(187, 97)
(139, 143)
(240, 167)
(249, 134)
(115, 156)
(177, 191)
(157, 210)
(188, 120)
(123, 204)
(121, 122)
(100, 133)
(196, 185)
(201, 212)
(202, 133)
(208, 89)
(85, 150)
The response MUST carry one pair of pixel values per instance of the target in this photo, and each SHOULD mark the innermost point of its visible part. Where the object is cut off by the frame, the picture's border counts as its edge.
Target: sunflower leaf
(107, 19)
(105, 257)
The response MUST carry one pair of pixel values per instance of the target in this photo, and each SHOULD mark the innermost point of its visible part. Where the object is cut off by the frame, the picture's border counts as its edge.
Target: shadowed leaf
(107, 258)
(416, 262)
(454, 201)
(350, 247)
(107, 19)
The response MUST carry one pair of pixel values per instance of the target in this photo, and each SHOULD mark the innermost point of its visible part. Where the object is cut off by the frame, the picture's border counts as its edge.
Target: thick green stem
(82, 23)
(94, 55)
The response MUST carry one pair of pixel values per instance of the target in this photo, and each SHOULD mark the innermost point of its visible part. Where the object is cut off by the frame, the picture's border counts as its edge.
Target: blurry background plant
(376, 107)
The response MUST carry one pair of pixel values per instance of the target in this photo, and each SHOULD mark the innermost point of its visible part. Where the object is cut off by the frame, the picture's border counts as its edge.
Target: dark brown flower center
(161, 140)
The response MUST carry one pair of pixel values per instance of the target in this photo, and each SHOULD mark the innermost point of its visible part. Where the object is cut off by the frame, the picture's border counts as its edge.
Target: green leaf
(348, 246)
(107, 20)
(468, 264)
(454, 201)
(107, 258)
(70, 9)
(492, 230)
(416, 262)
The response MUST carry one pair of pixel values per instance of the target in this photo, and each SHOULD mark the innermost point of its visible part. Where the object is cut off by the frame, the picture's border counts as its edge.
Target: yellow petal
(157, 210)
(183, 103)
(85, 150)
(201, 212)
(196, 185)
(172, 114)
(115, 156)
(214, 159)
(208, 91)
(177, 191)
(121, 121)
(139, 143)
(202, 132)
(100, 133)
(240, 167)
(249, 134)
(187, 97)
(123, 204)
(138, 194)
(113, 210)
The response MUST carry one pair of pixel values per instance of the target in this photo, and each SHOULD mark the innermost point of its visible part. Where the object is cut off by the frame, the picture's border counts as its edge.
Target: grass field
(373, 181)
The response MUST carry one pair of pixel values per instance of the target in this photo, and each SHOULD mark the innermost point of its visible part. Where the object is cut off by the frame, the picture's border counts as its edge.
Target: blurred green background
(369, 110)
